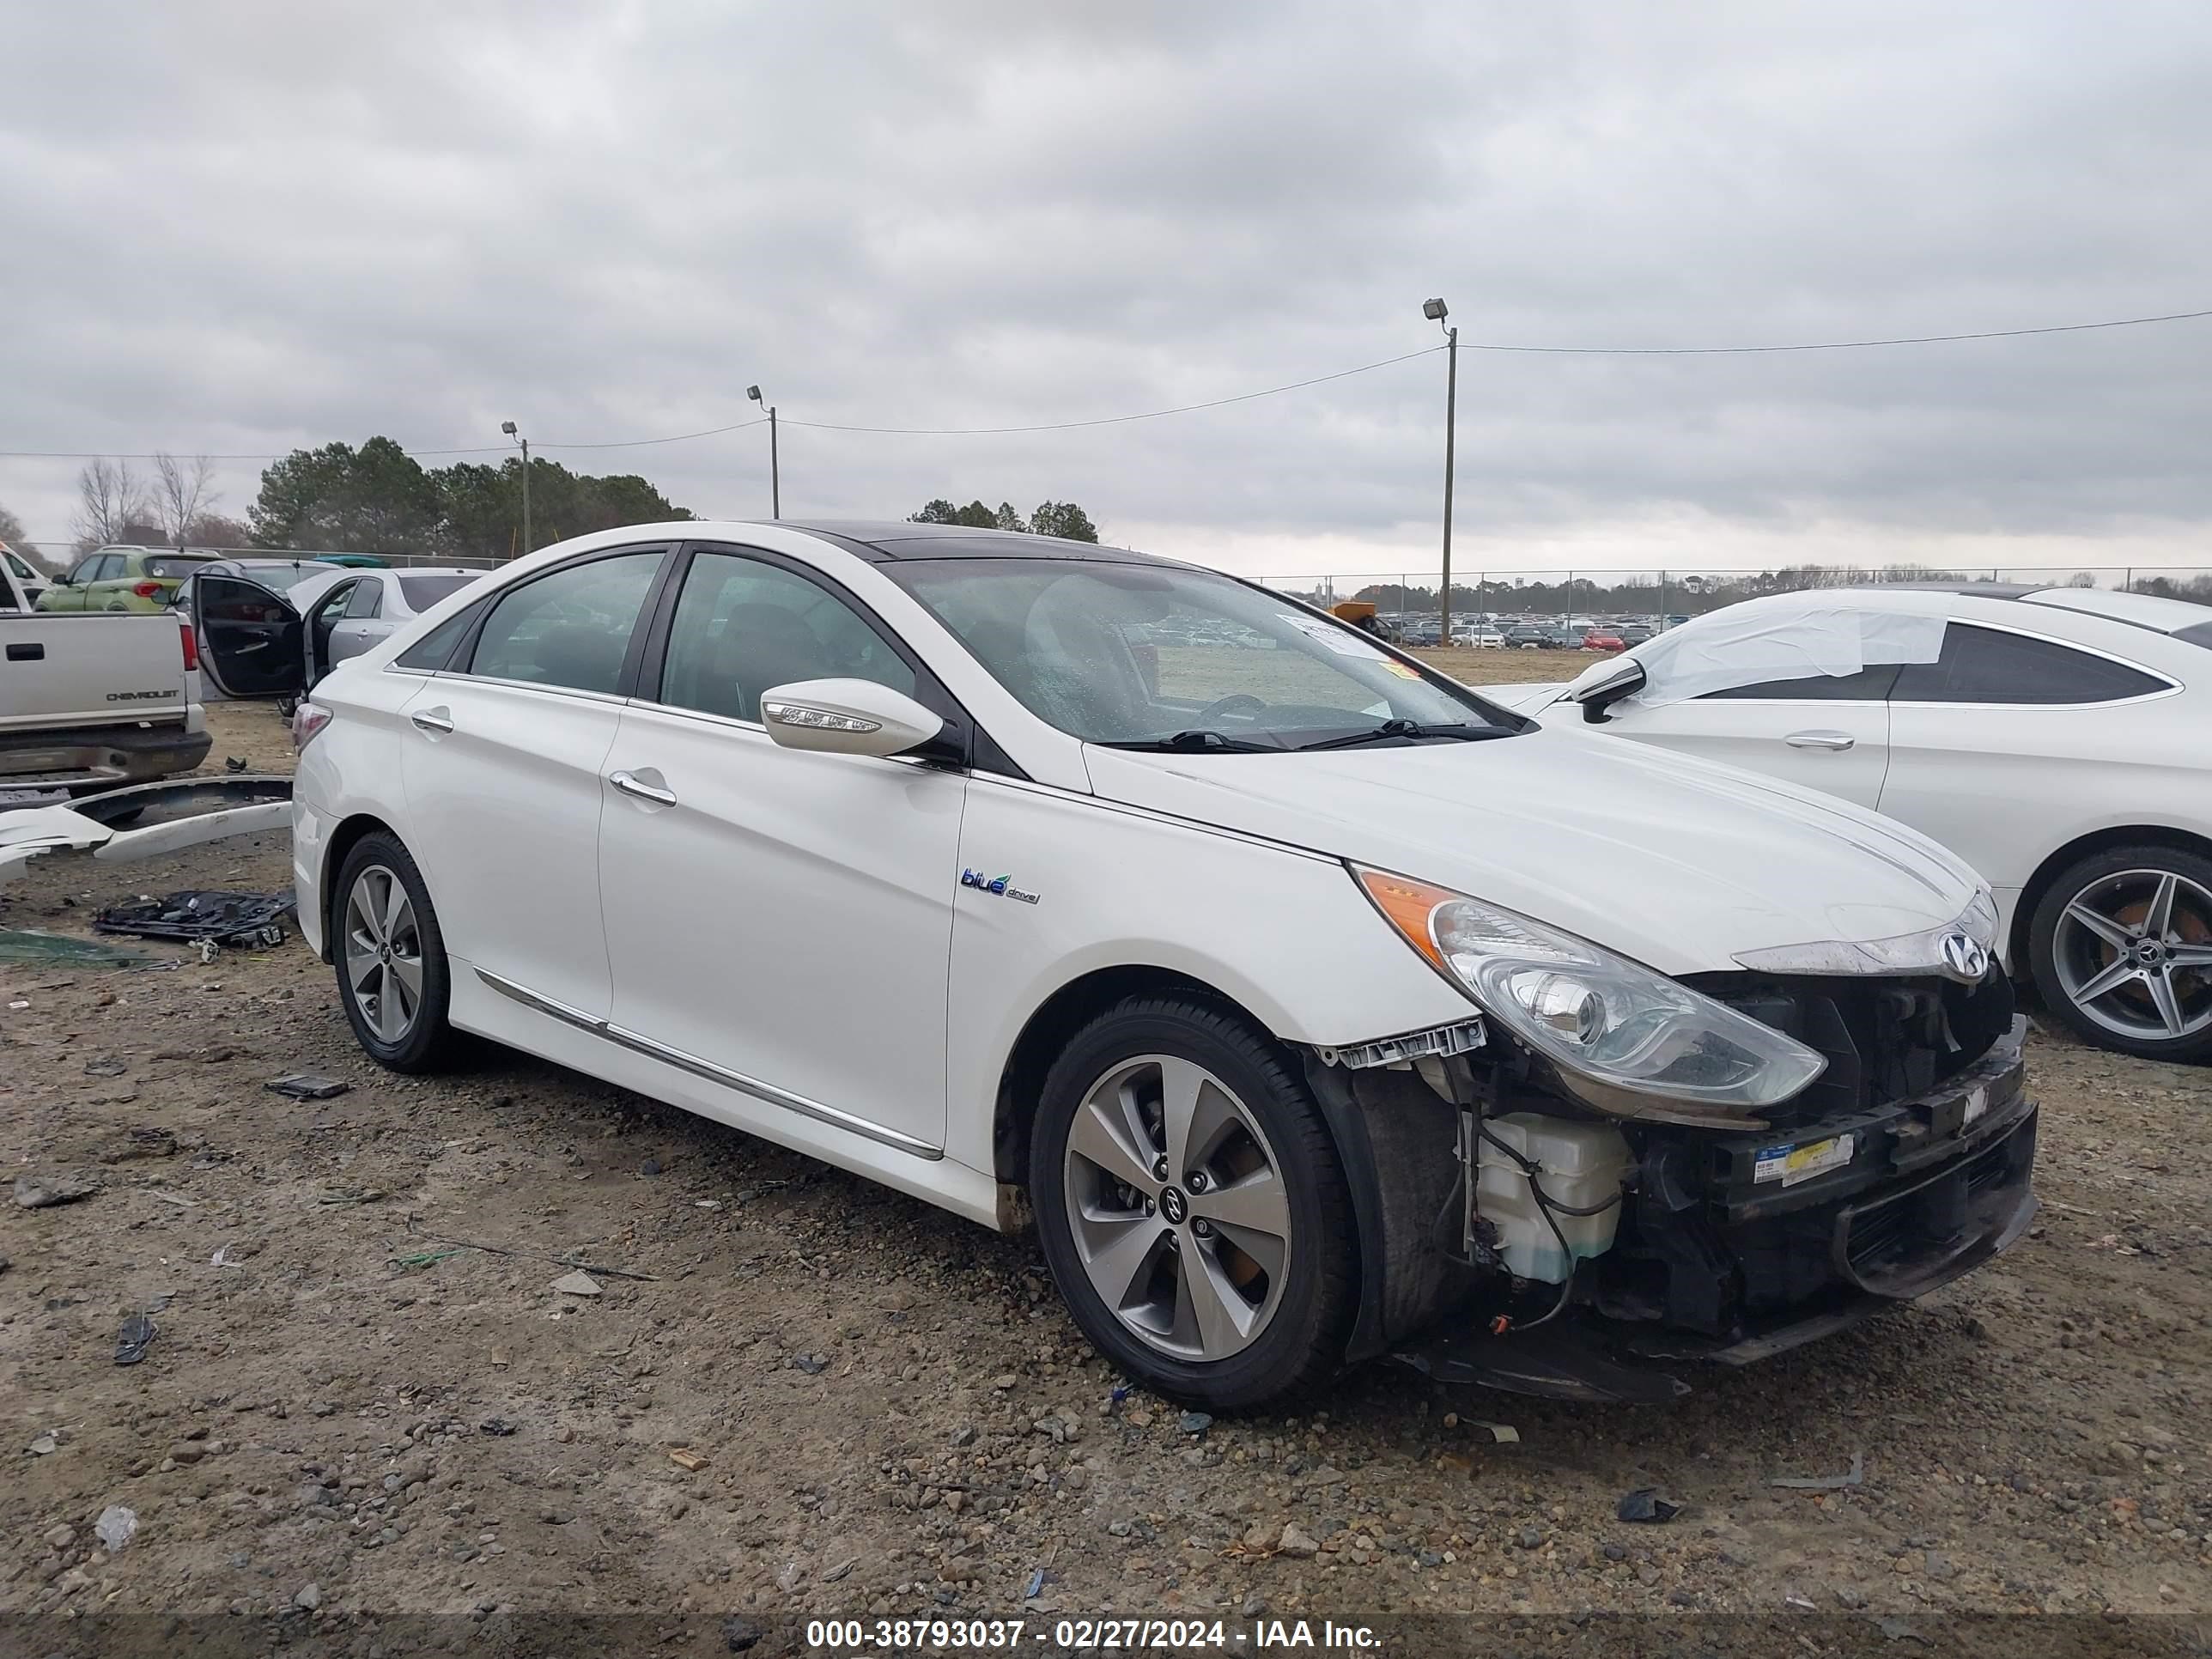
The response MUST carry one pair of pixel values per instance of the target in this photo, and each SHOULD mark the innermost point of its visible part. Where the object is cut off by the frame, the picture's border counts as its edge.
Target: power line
(1220, 403)
(1111, 419)
(1833, 346)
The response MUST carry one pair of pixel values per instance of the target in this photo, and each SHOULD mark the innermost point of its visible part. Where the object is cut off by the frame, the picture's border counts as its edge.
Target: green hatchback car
(122, 579)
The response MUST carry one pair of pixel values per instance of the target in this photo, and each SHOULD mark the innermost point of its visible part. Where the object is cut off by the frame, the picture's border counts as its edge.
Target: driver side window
(744, 626)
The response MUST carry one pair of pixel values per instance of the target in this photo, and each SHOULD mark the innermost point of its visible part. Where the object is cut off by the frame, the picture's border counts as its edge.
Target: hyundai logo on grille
(1966, 959)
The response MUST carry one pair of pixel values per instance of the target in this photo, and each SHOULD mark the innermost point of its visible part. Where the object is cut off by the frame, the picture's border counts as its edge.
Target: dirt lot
(347, 1406)
(1495, 667)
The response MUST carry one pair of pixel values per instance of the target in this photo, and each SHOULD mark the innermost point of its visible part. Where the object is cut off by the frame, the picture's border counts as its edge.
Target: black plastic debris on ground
(1645, 1505)
(303, 1086)
(226, 917)
(131, 1342)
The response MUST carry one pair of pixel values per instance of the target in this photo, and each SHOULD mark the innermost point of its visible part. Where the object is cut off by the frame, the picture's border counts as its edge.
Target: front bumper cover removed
(1953, 1188)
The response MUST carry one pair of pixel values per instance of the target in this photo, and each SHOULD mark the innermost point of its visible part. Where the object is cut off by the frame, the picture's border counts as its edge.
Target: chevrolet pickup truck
(94, 700)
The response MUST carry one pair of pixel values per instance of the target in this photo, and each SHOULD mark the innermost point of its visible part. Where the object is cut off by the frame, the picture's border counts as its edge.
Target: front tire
(2121, 949)
(1192, 1206)
(394, 982)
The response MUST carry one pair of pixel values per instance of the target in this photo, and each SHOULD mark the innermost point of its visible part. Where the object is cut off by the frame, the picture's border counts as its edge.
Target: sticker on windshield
(1791, 1164)
(1342, 640)
(1403, 670)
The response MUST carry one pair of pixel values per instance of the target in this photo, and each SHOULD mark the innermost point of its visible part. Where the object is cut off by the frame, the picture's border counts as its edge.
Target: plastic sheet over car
(1753, 645)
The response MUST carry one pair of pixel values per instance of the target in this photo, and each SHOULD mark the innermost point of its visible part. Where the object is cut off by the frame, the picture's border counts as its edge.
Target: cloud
(247, 226)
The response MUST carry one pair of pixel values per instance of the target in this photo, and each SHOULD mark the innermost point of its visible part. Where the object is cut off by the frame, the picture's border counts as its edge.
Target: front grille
(1884, 1038)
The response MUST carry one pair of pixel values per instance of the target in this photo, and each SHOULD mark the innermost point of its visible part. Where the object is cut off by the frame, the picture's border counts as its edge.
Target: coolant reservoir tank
(1582, 1166)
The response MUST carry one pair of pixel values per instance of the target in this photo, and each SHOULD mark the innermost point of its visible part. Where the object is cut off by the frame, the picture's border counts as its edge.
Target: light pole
(507, 427)
(1436, 311)
(774, 468)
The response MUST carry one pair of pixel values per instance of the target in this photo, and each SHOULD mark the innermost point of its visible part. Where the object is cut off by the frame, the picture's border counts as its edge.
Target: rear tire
(394, 982)
(2121, 950)
(1228, 1284)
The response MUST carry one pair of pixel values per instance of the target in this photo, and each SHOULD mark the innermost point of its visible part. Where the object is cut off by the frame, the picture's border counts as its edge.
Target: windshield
(1142, 654)
(424, 591)
(167, 567)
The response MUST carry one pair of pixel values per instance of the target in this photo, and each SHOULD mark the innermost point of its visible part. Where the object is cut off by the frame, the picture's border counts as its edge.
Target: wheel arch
(2060, 858)
(1058, 1018)
(1074, 1005)
(342, 841)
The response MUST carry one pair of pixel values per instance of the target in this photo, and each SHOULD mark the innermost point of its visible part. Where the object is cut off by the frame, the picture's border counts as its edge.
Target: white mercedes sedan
(1310, 1006)
(2054, 738)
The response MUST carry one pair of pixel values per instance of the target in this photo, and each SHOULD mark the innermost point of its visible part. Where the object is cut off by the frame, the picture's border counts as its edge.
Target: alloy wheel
(1177, 1207)
(2133, 951)
(384, 953)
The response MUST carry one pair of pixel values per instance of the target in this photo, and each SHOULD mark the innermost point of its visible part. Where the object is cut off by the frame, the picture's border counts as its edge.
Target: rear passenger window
(367, 600)
(744, 627)
(569, 628)
(1870, 684)
(1984, 664)
(431, 650)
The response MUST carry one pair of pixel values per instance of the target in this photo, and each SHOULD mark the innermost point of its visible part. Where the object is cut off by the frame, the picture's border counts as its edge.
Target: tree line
(1062, 518)
(377, 498)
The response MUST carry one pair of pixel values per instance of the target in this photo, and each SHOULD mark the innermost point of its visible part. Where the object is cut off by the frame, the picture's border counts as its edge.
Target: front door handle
(439, 719)
(1820, 739)
(630, 785)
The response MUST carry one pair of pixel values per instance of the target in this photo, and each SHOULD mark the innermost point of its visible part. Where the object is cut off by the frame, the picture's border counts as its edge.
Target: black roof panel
(881, 541)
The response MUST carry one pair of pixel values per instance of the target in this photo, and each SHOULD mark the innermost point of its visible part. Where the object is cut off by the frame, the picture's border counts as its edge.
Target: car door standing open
(249, 636)
(728, 861)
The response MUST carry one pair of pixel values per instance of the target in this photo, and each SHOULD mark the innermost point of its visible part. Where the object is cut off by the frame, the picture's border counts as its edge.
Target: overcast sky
(241, 227)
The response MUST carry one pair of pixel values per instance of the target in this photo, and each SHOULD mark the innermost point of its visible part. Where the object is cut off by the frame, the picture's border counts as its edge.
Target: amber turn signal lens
(1408, 904)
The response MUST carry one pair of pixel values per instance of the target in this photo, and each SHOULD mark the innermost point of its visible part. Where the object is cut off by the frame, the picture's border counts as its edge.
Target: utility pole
(507, 427)
(1436, 311)
(775, 466)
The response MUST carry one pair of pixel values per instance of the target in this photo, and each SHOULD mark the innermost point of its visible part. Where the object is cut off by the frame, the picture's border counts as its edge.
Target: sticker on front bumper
(1791, 1164)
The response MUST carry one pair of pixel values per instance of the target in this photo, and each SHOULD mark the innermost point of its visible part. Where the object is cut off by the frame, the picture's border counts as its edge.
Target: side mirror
(1598, 688)
(846, 717)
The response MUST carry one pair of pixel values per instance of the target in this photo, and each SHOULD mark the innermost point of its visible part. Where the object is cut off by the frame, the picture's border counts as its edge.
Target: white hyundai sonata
(1312, 1007)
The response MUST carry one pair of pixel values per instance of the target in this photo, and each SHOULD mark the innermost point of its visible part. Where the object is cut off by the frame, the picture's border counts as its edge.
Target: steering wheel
(1229, 704)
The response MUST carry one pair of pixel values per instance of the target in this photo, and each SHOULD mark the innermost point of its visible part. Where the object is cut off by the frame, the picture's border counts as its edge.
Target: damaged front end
(1531, 1240)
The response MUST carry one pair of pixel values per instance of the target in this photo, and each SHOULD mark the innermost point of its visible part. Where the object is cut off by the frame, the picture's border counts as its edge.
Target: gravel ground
(818, 1396)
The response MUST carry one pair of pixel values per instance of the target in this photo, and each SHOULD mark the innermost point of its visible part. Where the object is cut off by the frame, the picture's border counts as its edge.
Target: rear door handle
(630, 785)
(439, 720)
(1820, 739)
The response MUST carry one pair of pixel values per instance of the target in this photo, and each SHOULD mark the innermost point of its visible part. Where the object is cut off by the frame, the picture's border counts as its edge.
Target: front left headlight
(1626, 1039)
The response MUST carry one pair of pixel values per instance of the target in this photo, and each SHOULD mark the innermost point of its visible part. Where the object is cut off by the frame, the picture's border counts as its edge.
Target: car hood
(1680, 864)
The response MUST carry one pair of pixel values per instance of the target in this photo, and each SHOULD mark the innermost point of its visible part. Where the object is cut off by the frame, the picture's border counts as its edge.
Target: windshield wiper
(1203, 739)
(1393, 729)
